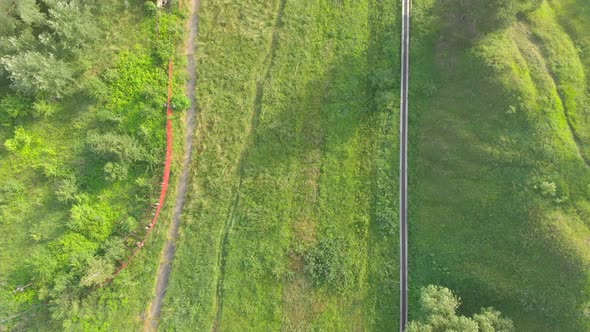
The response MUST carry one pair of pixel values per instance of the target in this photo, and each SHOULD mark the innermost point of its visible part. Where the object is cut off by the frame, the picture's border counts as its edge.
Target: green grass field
(291, 220)
(499, 183)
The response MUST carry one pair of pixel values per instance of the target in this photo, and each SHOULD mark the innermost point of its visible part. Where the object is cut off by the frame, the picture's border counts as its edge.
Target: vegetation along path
(168, 253)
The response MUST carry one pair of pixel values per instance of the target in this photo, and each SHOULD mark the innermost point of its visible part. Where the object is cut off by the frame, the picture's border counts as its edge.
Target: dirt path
(163, 276)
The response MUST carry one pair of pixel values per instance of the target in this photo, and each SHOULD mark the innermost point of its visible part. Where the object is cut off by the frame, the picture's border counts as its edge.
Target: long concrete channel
(403, 166)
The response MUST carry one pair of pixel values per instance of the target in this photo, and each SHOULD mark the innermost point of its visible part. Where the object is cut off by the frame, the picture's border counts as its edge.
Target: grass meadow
(291, 221)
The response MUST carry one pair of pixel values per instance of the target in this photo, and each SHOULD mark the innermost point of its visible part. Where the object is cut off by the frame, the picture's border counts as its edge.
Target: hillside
(499, 189)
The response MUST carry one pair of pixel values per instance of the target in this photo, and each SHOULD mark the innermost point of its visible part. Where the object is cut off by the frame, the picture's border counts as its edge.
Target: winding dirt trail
(151, 322)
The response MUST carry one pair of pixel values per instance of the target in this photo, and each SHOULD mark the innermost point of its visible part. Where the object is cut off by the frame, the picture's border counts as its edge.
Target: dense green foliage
(499, 191)
(439, 306)
(82, 85)
(290, 223)
(327, 265)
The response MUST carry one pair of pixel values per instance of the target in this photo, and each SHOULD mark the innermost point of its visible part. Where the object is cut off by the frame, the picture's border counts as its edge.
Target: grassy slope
(290, 153)
(228, 60)
(490, 127)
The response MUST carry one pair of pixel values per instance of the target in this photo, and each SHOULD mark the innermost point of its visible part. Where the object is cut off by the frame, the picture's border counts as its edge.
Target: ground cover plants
(83, 139)
(291, 219)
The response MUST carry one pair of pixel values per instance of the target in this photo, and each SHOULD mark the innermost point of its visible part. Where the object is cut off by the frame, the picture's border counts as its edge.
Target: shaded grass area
(291, 222)
(499, 116)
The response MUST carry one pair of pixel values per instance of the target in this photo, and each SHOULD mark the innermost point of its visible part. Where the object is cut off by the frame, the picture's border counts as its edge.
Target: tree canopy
(40, 42)
(439, 307)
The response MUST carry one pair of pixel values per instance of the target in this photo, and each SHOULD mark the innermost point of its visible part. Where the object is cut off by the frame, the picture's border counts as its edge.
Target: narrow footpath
(163, 276)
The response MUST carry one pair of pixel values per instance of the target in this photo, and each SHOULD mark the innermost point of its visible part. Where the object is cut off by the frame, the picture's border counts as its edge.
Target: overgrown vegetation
(82, 84)
(326, 265)
(291, 223)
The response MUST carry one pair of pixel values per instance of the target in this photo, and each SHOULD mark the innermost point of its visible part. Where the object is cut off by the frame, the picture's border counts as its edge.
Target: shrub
(112, 146)
(511, 110)
(548, 188)
(14, 105)
(9, 190)
(150, 8)
(67, 189)
(181, 103)
(20, 140)
(42, 108)
(89, 221)
(115, 171)
(99, 270)
(429, 89)
(326, 264)
(95, 88)
(114, 249)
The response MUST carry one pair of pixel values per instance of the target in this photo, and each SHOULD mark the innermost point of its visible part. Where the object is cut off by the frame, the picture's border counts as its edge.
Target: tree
(28, 11)
(439, 307)
(67, 188)
(71, 26)
(115, 171)
(33, 73)
(89, 221)
(99, 270)
(112, 146)
(490, 320)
